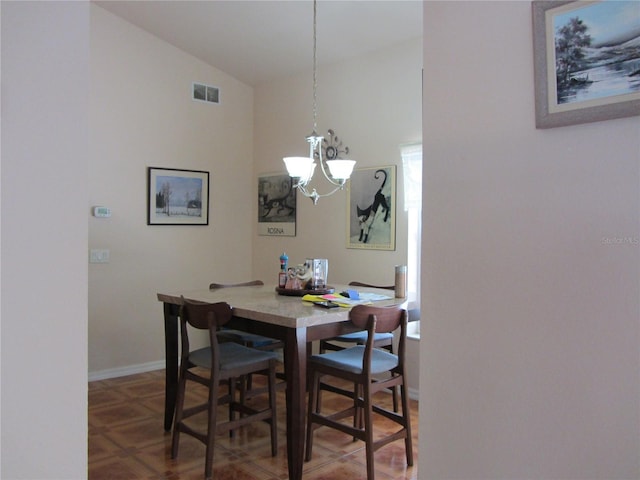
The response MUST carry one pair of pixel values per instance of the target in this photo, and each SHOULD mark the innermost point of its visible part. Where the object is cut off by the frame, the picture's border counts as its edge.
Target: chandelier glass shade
(336, 171)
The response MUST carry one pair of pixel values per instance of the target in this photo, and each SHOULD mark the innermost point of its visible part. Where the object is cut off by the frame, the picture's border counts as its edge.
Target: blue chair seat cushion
(350, 360)
(246, 337)
(361, 337)
(232, 355)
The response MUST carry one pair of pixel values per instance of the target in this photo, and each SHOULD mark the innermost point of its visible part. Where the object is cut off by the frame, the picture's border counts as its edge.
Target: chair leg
(394, 393)
(368, 421)
(313, 407)
(232, 397)
(408, 442)
(175, 439)
(272, 406)
(394, 389)
(357, 415)
(211, 428)
(318, 404)
(244, 387)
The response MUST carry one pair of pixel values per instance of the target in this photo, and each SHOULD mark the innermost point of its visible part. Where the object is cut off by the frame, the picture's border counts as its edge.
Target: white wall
(530, 319)
(45, 81)
(142, 115)
(373, 105)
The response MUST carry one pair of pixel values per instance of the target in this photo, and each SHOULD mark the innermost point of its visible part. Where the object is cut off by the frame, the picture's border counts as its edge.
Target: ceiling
(257, 41)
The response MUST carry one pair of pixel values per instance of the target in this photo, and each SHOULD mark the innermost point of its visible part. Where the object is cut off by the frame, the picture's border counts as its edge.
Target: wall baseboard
(159, 365)
(414, 394)
(128, 370)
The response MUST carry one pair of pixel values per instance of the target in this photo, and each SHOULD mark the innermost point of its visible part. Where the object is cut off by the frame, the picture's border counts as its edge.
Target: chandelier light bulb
(341, 169)
(300, 167)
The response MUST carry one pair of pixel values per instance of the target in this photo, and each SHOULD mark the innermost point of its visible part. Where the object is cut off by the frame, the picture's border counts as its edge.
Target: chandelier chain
(315, 81)
(336, 172)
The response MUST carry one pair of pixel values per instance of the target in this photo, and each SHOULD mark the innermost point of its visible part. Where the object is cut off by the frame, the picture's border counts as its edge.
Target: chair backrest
(360, 284)
(380, 320)
(252, 283)
(205, 316)
(387, 319)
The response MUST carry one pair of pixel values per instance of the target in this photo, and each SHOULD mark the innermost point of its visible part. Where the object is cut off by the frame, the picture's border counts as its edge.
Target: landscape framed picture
(276, 206)
(177, 197)
(586, 61)
(371, 208)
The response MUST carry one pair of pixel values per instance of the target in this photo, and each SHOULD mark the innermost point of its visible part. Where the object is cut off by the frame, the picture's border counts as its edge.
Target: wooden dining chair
(246, 338)
(381, 340)
(249, 339)
(224, 363)
(361, 365)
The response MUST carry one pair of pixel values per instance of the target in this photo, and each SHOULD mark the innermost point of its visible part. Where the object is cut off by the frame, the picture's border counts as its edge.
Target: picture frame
(277, 205)
(371, 208)
(177, 197)
(597, 78)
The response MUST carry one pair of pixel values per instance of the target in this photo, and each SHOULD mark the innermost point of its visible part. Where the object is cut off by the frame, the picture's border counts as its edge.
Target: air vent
(206, 93)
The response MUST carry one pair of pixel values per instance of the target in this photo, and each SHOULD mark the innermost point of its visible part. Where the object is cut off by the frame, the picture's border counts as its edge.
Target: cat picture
(379, 208)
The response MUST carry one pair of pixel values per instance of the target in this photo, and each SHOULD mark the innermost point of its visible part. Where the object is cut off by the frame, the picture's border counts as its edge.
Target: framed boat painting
(177, 197)
(371, 209)
(586, 61)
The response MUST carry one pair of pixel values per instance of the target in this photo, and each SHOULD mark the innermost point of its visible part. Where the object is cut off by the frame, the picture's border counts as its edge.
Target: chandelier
(336, 171)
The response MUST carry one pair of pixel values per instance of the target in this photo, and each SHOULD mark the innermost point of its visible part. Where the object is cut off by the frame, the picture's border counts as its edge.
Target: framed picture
(177, 197)
(276, 206)
(371, 209)
(586, 61)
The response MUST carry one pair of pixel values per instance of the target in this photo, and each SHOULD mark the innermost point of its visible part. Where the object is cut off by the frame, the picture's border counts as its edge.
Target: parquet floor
(127, 441)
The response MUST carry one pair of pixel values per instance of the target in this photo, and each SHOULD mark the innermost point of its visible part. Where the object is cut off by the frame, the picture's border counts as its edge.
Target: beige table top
(264, 304)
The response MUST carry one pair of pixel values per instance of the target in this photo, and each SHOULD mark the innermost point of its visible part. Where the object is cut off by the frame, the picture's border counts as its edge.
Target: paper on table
(365, 298)
(338, 299)
(374, 297)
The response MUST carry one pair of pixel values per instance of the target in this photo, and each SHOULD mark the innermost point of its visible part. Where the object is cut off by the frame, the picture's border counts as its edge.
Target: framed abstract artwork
(371, 208)
(586, 61)
(276, 206)
(177, 197)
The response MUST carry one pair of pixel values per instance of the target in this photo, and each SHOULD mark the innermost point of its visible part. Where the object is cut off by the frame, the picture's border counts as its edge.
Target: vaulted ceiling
(257, 41)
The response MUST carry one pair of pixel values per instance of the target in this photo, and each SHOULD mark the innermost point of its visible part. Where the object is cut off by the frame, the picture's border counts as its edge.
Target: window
(412, 168)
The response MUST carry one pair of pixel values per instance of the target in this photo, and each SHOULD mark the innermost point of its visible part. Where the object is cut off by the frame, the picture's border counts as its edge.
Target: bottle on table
(282, 276)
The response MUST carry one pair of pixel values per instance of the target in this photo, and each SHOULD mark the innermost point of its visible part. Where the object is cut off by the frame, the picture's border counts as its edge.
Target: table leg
(295, 362)
(171, 362)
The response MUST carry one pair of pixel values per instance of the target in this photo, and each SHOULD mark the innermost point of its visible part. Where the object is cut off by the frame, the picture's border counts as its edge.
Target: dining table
(280, 314)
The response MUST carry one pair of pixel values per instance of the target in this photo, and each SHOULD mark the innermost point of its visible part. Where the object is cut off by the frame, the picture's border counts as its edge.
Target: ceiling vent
(205, 93)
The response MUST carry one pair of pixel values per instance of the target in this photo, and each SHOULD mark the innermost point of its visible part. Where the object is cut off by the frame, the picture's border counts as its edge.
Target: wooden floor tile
(127, 441)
